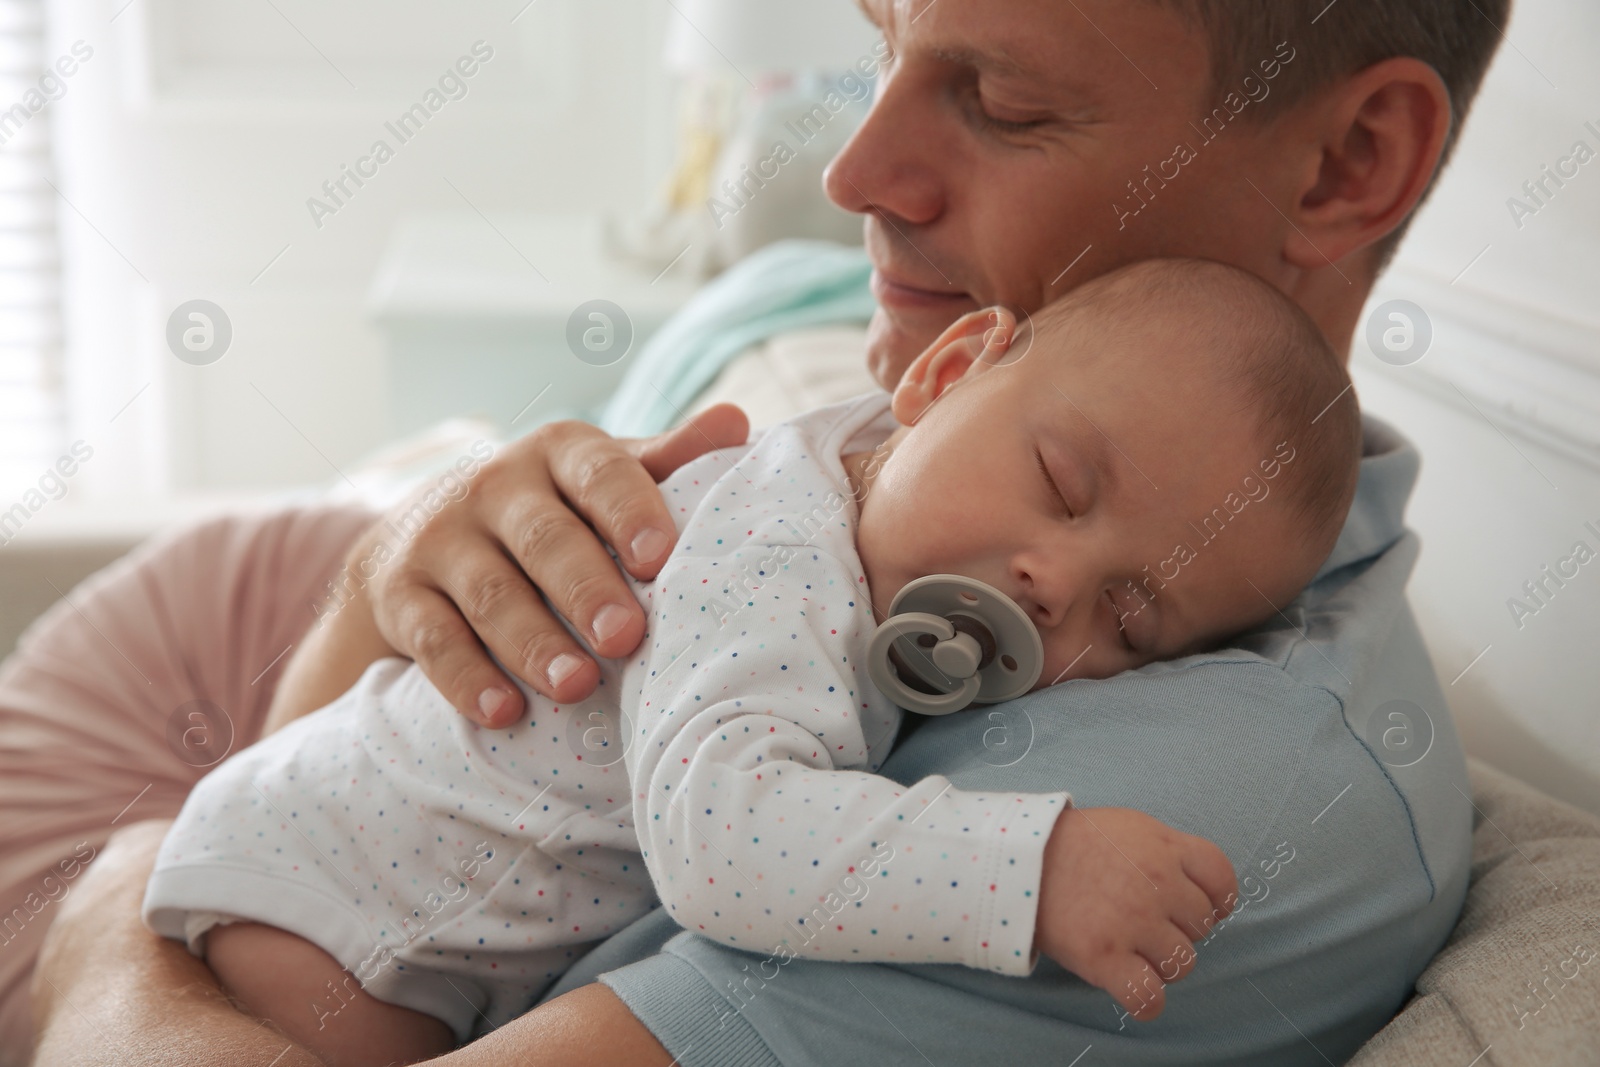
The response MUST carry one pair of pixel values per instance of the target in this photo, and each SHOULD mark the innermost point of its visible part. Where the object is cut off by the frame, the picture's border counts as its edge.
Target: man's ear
(969, 346)
(1379, 139)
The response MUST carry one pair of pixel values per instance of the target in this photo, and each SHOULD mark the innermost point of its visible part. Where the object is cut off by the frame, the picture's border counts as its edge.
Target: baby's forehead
(1185, 425)
(1188, 297)
(1191, 361)
(1191, 314)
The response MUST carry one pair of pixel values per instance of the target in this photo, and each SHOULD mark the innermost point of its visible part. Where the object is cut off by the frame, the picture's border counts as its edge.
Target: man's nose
(884, 168)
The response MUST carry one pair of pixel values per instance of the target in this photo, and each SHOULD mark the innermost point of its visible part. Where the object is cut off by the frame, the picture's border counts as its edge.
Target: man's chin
(891, 349)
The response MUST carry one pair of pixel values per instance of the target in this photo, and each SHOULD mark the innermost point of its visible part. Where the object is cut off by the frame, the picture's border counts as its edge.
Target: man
(1013, 151)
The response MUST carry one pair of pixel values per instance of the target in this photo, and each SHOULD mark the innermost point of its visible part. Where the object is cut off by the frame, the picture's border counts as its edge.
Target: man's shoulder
(1329, 650)
(1228, 743)
(1317, 753)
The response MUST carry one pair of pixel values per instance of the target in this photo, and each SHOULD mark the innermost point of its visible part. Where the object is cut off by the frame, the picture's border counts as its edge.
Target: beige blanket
(1519, 980)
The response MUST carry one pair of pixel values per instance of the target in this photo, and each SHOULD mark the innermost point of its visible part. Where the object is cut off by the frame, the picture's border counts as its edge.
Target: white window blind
(31, 416)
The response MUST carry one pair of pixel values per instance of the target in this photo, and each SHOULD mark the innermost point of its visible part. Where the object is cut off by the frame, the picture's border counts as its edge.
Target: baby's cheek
(1060, 665)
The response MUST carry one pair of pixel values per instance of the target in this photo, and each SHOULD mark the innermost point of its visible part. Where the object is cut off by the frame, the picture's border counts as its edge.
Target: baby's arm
(1124, 900)
(760, 831)
(758, 821)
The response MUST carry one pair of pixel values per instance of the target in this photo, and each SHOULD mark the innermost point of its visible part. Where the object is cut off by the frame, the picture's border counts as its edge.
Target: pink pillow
(118, 700)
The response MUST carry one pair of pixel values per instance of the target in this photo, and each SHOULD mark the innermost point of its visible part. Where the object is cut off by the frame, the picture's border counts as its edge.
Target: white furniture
(475, 316)
(471, 329)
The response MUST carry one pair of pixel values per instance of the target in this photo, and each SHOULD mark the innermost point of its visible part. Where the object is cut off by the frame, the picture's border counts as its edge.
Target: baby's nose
(1043, 595)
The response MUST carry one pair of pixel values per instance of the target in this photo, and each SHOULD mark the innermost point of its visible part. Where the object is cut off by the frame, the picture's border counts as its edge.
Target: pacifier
(950, 642)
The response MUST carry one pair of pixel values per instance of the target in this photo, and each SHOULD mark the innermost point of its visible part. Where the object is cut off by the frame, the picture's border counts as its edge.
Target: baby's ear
(971, 345)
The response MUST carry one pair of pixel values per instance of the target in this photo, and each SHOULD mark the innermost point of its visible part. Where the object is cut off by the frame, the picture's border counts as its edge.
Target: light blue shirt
(1318, 753)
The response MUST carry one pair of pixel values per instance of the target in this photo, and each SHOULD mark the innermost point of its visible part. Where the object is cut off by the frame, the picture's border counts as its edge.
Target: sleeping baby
(1156, 462)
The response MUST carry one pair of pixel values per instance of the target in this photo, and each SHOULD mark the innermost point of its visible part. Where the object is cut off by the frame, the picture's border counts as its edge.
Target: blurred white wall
(192, 139)
(1505, 407)
(190, 143)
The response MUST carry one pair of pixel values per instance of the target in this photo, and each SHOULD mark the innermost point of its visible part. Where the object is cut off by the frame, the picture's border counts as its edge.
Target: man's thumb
(720, 426)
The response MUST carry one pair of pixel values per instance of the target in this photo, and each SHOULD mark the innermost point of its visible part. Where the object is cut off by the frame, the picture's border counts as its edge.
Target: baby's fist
(1124, 897)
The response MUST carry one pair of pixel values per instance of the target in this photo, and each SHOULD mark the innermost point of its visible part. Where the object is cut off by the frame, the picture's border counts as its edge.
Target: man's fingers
(437, 636)
(719, 426)
(568, 563)
(465, 582)
(605, 483)
(514, 622)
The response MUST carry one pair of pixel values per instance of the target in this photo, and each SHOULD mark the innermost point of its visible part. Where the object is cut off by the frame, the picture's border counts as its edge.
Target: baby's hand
(1124, 897)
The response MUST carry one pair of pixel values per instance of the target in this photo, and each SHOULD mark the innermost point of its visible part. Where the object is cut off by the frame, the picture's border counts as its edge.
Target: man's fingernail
(563, 667)
(610, 621)
(491, 700)
(649, 544)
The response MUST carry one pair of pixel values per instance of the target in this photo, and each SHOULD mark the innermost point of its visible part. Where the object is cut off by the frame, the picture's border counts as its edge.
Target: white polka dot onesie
(724, 771)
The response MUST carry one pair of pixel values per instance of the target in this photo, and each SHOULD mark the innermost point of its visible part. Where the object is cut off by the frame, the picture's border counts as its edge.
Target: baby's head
(1155, 462)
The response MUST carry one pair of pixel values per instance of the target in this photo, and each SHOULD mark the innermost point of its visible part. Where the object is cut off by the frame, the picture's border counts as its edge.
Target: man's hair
(1458, 38)
(1263, 349)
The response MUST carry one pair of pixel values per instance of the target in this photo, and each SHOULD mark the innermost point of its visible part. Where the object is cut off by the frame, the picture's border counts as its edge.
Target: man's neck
(1334, 298)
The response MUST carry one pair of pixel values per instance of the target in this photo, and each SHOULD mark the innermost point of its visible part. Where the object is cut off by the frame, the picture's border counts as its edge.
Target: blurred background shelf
(474, 316)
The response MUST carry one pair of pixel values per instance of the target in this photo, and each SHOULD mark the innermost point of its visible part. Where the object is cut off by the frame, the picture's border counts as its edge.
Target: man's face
(1001, 147)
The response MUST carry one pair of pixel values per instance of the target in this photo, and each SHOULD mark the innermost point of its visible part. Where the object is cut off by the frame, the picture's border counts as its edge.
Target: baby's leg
(293, 984)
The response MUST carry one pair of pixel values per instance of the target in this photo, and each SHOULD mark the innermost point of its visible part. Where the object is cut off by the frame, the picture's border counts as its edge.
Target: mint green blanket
(784, 287)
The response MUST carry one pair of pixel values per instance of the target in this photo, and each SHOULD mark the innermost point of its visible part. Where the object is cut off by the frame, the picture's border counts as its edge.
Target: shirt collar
(1389, 466)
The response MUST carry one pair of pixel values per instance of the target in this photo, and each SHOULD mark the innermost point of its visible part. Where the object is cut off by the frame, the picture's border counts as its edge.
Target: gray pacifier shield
(939, 627)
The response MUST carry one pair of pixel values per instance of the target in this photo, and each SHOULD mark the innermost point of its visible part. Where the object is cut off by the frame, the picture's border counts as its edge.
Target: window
(31, 422)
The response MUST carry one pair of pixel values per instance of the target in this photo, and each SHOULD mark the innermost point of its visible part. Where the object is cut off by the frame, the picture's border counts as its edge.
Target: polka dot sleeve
(756, 811)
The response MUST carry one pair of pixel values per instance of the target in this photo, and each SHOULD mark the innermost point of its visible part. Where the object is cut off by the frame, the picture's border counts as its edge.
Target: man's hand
(1124, 897)
(107, 990)
(467, 579)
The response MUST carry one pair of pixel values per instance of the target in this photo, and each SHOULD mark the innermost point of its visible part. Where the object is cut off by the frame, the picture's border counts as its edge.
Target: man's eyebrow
(1052, 77)
(997, 61)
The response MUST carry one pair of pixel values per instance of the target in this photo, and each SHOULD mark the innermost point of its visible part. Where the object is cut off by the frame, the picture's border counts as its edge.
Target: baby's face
(1109, 485)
